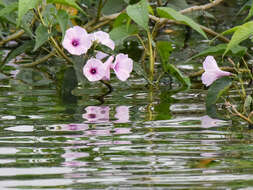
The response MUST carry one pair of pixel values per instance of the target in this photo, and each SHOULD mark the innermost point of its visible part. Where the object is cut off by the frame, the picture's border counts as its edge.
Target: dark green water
(135, 140)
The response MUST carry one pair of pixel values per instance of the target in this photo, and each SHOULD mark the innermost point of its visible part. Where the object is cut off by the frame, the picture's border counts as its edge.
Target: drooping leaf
(175, 72)
(19, 50)
(71, 3)
(119, 34)
(62, 18)
(219, 50)
(241, 33)
(215, 91)
(164, 49)
(41, 36)
(139, 13)
(250, 12)
(8, 9)
(24, 6)
(170, 13)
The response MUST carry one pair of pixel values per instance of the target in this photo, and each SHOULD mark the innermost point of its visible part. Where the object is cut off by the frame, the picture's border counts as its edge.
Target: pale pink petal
(94, 70)
(103, 38)
(208, 78)
(101, 55)
(123, 66)
(210, 64)
(108, 64)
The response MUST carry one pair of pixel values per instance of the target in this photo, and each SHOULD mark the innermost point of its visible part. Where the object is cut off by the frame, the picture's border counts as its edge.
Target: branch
(41, 60)
(12, 37)
(201, 7)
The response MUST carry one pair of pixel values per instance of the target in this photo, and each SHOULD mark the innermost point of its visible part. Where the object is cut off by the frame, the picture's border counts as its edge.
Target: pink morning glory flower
(94, 70)
(108, 66)
(212, 71)
(122, 66)
(103, 38)
(77, 41)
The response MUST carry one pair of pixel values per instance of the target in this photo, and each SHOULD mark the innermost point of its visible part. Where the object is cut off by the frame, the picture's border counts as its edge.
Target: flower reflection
(96, 114)
(70, 158)
(207, 122)
(122, 114)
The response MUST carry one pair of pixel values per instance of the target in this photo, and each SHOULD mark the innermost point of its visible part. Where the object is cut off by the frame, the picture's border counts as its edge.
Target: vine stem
(151, 57)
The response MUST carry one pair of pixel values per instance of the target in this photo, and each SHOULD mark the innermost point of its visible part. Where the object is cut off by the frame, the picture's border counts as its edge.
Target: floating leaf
(170, 13)
(241, 33)
(139, 13)
(119, 34)
(62, 18)
(41, 36)
(24, 6)
(215, 91)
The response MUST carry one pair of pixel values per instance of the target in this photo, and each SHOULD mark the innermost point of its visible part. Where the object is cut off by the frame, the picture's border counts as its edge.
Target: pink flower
(94, 70)
(76, 40)
(108, 66)
(103, 38)
(212, 71)
(123, 66)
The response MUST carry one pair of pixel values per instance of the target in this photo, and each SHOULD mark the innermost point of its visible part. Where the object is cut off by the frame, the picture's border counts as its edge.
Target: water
(134, 140)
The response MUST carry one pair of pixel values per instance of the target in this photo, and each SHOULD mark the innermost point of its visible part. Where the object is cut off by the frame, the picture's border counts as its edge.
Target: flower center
(92, 116)
(75, 43)
(93, 71)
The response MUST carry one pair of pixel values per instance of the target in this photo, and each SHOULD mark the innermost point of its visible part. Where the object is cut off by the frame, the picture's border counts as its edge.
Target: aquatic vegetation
(94, 37)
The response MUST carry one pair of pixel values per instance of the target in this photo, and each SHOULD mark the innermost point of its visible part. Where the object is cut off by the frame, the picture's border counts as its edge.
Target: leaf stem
(151, 57)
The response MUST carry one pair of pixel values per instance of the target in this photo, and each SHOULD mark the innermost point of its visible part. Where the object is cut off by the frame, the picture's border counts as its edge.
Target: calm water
(134, 140)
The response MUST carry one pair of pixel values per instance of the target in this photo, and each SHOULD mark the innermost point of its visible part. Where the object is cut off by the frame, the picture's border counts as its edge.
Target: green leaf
(122, 19)
(19, 50)
(170, 13)
(62, 18)
(215, 91)
(139, 13)
(24, 6)
(119, 34)
(219, 50)
(175, 72)
(113, 6)
(250, 12)
(241, 33)
(164, 49)
(247, 103)
(8, 9)
(71, 3)
(41, 36)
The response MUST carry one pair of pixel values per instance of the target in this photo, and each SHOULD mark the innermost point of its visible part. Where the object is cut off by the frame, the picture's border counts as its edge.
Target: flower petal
(108, 64)
(210, 64)
(99, 68)
(123, 66)
(208, 78)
